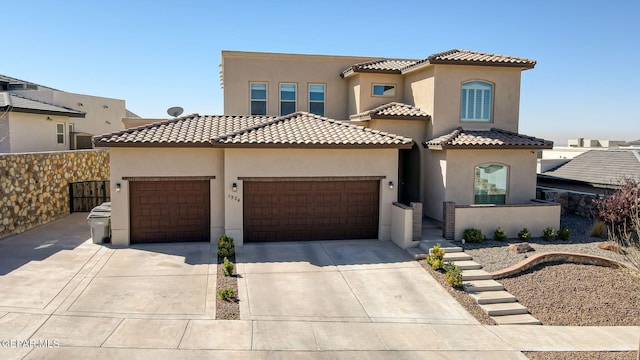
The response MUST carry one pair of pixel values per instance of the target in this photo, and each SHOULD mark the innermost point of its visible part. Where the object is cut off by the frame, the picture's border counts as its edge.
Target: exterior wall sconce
(118, 187)
(391, 185)
(234, 187)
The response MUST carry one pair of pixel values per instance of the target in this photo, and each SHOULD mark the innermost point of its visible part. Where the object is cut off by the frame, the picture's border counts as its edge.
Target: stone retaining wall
(571, 202)
(34, 187)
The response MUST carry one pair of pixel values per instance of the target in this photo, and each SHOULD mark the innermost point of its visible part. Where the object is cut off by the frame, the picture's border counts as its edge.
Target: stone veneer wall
(571, 202)
(34, 187)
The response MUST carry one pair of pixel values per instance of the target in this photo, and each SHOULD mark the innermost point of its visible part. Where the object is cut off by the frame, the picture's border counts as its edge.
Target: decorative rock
(521, 248)
(611, 246)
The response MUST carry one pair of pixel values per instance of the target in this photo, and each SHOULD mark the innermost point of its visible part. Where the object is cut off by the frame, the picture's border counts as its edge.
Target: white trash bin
(100, 223)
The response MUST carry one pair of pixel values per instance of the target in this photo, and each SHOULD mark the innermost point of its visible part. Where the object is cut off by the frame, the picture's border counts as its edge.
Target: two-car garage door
(311, 210)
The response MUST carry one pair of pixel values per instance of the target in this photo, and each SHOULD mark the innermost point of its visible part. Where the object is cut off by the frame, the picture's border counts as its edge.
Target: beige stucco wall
(419, 88)
(434, 180)
(414, 129)
(305, 163)
(402, 226)
(127, 162)
(241, 68)
(365, 98)
(33, 132)
(535, 217)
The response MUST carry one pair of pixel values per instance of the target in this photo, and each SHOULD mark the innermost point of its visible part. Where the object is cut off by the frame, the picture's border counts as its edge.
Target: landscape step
(427, 245)
(492, 297)
(482, 285)
(468, 265)
(519, 319)
(457, 257)
(416, 253)
(504, 309)
(468, 275)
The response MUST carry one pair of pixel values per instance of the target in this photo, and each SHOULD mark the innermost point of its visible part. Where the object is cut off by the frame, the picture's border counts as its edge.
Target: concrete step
(468, 275)
(426, 245)
(416, 253)
(482, 285)
(492, 297)
(468, 265)
(461, 256)
(504, 309)
(519, 319)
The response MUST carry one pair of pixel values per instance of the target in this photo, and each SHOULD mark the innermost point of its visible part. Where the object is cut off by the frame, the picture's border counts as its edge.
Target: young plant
(548, 233)
(436, 258)
(453, 275)
(599, 229)
(500, 234)
(225, 246)
(226, 294)
(228, 267)
(564, 233)
(524, 234)
(472, 235)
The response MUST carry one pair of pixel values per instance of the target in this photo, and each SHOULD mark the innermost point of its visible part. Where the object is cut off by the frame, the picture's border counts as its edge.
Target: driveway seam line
(112, 332)
(90, 278)
(186, 328)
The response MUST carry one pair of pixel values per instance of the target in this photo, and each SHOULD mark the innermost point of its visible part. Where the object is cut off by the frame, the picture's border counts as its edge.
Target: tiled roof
(299, 129)
(17, 103)
(600, 167)
(11, 80)
(393, 110)
(452, 57)
(486, 139)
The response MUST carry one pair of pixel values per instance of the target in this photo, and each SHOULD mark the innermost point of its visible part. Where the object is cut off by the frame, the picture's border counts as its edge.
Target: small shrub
(436, 258)
(228, 267)
(599, 229)
(472, 235)
(500, 234)
(225, 246)
(564, 233)
(453, 275)
(524, 234)
(226, 294)
(548, 233)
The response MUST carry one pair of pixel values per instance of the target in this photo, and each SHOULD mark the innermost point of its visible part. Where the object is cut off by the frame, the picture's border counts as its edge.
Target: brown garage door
(310, 210)
(169, 211)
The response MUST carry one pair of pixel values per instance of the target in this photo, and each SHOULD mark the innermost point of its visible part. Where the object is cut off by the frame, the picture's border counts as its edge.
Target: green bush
(226, 294)
(472, 235)
(225, 246)
(548, 233)
(453, 275)
(524, 234)
(564, 233)
(228, 267)
(436, 258)
(500, 234)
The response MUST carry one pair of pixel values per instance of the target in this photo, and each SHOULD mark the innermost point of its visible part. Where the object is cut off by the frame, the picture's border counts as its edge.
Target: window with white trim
(258, 98)
(476, 101)
(316, 99)
(490, 184)
(385, 90)
(60, 133)
(288, 96)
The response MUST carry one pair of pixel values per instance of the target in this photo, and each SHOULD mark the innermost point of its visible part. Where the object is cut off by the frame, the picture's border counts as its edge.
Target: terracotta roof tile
(600, 167)
(486, 139)
(380, 65)
(393, 110)
(297, 129)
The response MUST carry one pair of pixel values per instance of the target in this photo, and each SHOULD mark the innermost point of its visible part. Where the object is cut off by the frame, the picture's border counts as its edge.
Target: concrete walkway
(64, 297)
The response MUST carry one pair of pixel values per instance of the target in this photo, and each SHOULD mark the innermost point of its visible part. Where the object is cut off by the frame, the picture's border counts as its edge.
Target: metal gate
(86, 195)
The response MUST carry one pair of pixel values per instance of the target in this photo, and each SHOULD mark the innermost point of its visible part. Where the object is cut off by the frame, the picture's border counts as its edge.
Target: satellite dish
(175, 111)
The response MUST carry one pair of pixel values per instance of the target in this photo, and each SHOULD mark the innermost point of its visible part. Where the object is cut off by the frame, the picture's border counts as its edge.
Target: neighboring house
(442, 131)
(40, 118)
(595, 171)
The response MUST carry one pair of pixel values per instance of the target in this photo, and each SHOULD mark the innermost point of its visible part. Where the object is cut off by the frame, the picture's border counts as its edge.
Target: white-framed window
(386, 90)
(258, 98)
(317, 96)
(476, 101)
(490, 184)
(60, 133)
(288, 97)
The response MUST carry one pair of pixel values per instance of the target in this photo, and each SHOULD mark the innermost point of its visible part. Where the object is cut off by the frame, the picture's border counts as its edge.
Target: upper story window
(288, 96)
(490, 184)
(383, 90)
(258, 98)
(476, 101)
(60, 133)
(316, 99)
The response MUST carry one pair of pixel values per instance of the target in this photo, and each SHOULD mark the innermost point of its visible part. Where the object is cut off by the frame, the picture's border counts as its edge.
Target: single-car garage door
(169, 211)
(311, 210)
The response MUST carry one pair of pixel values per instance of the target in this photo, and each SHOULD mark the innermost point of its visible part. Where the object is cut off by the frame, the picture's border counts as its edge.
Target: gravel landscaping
(227, 309)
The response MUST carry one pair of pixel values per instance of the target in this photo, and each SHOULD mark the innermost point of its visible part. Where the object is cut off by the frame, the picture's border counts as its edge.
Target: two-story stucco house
(315, 147)
(34, 117)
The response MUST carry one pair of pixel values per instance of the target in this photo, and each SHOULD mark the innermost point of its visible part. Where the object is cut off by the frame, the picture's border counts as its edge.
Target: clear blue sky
(158, 54)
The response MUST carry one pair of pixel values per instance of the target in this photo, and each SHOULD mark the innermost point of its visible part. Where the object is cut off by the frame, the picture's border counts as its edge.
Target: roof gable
(486, 139)
(393, 110)
(17, 103)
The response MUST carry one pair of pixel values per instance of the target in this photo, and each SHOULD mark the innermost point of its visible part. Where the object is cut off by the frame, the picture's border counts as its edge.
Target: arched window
(490, 185)
(476, 101)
